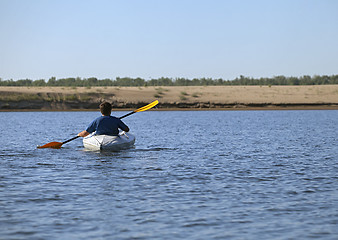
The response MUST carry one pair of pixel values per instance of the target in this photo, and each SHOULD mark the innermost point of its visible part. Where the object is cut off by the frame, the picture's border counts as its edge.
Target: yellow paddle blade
(56, 145)
(150, 105)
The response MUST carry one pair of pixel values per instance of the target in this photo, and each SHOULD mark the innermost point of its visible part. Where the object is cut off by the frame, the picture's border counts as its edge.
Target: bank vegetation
(165, 81)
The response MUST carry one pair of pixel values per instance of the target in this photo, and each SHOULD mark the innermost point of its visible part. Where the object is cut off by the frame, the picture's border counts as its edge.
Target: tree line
(163, 81)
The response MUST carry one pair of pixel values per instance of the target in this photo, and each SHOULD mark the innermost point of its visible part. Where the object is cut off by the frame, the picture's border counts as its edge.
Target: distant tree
(51, 82)
(334, 79)
(39, 83)
(25, 82)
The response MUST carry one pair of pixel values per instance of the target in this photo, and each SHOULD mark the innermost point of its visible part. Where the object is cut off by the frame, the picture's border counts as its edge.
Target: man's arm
(123, 126)
(84, 133)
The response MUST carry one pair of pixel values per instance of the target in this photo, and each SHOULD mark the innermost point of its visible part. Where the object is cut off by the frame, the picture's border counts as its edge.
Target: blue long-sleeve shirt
(106, 125)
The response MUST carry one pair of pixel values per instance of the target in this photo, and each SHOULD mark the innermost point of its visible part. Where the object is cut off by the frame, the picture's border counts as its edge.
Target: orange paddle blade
(56, 145)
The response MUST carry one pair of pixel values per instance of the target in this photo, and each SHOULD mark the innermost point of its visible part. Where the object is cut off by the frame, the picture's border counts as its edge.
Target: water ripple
(207, 175)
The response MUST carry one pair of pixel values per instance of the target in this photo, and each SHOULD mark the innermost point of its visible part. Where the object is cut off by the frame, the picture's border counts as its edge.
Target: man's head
(105, 108)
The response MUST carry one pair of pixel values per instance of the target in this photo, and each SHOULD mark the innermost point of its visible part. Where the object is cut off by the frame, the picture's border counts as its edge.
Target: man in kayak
(106, 124)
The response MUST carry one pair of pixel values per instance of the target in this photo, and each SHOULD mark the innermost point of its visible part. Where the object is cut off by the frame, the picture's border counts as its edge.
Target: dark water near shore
(191, 175)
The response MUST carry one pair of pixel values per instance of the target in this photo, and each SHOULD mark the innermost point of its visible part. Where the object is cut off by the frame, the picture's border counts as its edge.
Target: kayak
(109, 143)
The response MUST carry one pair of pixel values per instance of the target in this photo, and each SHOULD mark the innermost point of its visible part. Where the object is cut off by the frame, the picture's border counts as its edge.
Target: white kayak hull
(109, 143)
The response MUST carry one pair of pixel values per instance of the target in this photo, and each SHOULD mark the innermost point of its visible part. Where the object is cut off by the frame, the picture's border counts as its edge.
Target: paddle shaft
(71, 139)
(127, 115)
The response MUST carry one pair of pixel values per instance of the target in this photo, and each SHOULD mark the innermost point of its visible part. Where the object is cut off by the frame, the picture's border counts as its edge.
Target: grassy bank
(192, 97)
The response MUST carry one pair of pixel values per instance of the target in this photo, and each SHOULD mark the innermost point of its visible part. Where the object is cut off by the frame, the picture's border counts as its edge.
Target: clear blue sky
(170, 38)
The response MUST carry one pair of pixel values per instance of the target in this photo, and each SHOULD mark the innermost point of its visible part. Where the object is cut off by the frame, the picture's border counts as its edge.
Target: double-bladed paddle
(58, 145)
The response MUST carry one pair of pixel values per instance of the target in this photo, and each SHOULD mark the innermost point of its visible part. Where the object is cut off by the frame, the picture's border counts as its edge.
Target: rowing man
(106, 124)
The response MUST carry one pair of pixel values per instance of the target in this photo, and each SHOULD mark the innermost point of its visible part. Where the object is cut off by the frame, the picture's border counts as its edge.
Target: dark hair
(105, 108)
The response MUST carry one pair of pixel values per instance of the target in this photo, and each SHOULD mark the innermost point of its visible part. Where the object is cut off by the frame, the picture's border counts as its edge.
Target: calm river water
(192, 175)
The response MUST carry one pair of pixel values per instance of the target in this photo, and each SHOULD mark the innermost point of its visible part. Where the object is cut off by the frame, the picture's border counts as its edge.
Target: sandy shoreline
(170, 98)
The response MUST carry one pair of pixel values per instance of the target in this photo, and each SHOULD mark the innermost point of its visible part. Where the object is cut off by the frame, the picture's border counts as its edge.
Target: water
(191, 175)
